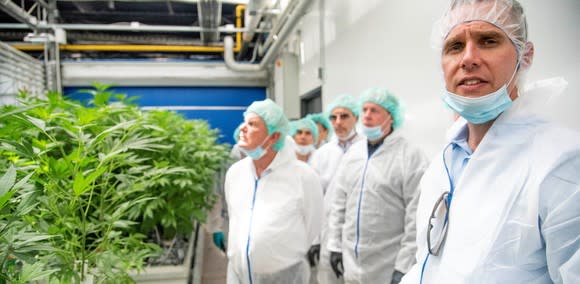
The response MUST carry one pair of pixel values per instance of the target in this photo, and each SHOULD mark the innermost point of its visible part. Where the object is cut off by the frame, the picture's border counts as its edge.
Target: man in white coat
(274, 203)
(372, 219)
(343, 114)
(501, 202)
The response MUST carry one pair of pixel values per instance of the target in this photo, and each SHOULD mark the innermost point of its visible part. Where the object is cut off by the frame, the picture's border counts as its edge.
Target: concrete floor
(214, 263)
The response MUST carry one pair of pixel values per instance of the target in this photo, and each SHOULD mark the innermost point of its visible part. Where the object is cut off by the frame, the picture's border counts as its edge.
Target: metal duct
(17, 13)
(210, 12)
(289, 24)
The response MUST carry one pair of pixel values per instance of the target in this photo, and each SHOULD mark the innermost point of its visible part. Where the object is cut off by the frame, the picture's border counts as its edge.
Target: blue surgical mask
(256, 153)
(483, 109)
(305, 149)
(373, 133)
(479, 110)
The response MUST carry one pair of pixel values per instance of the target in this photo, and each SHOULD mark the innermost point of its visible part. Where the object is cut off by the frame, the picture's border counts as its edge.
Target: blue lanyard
(449, 197)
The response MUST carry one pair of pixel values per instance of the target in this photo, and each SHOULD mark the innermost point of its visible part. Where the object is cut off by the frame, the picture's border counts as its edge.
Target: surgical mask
(483, 109)
(256, 153)
(479, 110)
(373, 133)
(305, 149)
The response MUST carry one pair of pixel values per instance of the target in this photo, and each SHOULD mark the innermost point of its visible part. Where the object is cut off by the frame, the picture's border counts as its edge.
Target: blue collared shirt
(460, 155)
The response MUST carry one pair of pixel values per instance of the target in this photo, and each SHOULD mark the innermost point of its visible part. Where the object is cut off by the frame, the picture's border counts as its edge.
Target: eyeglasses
(437, 228)
(342, 116)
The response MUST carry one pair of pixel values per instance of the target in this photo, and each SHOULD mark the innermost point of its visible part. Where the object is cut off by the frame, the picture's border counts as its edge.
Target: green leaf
(34, 272)
(22, 110)
(39, 123)
(26, 150)
(7, 180)
(5, 197)
(79, 185)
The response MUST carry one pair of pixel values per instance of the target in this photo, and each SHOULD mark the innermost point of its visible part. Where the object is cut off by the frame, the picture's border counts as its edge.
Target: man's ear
(528, 56)
(275, 137)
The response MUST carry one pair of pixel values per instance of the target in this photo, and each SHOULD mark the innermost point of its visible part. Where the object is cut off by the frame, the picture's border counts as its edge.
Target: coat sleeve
(336, 193)
(559, 218)
(415, 166)
(312, 205)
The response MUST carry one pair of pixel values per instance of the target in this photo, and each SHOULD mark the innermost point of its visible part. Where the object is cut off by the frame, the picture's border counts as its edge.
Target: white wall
(387, 44)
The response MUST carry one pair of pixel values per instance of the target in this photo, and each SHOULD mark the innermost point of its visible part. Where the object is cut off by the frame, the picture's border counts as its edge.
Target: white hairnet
(273, 117)
(508, 15)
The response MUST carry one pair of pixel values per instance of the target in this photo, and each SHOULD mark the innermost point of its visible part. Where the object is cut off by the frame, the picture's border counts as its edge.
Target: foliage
(104, 176)
(19, 243)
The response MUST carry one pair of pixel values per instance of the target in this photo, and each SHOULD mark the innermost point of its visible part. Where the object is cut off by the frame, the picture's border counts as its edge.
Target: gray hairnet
(508, 15)
(273, 117)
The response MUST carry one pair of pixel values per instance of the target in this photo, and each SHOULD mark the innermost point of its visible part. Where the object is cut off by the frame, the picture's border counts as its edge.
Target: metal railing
(19, 72)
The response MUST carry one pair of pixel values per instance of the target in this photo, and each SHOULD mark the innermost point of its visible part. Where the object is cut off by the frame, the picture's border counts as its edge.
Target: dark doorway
(311, 102)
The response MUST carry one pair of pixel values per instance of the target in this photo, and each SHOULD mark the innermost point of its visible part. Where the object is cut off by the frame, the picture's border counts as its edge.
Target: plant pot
(173, 274)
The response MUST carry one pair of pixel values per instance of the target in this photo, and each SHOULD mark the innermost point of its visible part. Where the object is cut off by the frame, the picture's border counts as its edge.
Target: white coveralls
(372, 218)
(273, 220)
(515, 212)
(325, 161)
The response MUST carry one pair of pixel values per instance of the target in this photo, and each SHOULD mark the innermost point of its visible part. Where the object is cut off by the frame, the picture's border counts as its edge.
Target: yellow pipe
(239, 10)
(130, 47)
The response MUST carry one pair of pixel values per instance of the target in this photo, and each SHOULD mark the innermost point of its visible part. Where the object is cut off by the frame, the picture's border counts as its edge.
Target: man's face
(253, 132)
(477, 59)
(374, 115)
(322, 132)
(304, 137)
(343, 121)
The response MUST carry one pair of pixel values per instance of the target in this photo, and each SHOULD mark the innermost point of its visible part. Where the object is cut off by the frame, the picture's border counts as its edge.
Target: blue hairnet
(344, 101)
(237, 133)
(305, 123)
(320, 118)
(273, 117)
(386, 100)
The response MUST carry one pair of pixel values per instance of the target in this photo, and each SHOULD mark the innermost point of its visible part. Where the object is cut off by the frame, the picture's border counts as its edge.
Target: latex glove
(218, 240)
(397, 276)
(336, 263)
(314, 255)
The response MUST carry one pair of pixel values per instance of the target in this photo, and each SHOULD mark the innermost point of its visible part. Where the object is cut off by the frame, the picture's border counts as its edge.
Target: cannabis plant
(106, 175)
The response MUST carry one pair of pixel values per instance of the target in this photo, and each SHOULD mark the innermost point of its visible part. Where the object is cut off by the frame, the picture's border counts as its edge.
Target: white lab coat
(325, 161)
(372, 218)
(273, 220)
(515, 213)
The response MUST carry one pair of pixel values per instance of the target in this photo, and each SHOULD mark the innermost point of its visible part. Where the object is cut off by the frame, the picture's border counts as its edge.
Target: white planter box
(173, 274)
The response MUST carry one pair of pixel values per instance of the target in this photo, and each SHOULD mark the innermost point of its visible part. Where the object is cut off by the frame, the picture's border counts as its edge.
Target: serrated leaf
(7, 180)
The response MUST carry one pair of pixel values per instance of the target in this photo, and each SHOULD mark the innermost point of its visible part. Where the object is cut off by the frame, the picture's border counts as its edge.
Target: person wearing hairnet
(274, 203)
(305, 134)
(217, 218)
(500, 202)
(343, 114)
(324, 128)
(372, 218)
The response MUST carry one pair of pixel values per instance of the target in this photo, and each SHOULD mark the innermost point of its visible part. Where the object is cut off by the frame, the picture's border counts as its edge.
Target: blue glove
(218, 240)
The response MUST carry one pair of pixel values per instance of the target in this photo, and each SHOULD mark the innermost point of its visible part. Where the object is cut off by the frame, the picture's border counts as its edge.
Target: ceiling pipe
(133, 27)
(17, 13)
(209, 19)
(253, 18)
(285, 31)
(141, 48)
(276, 28)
